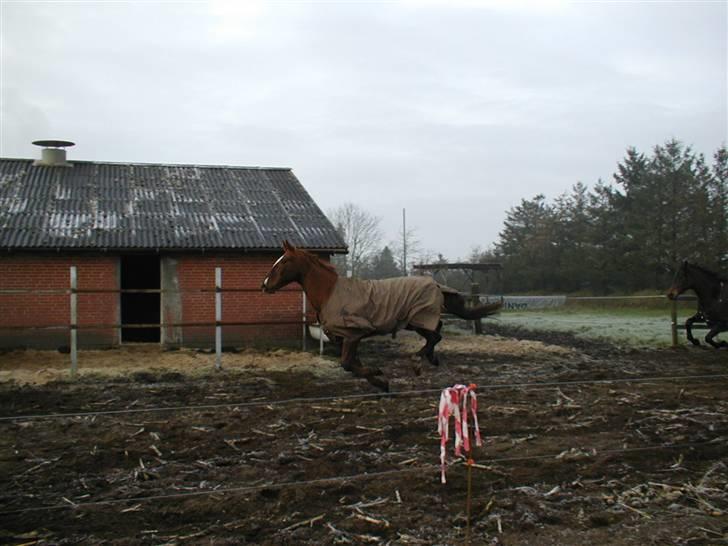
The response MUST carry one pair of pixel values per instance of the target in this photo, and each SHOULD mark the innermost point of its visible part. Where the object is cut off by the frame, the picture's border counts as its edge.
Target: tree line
(620, 237)
(626, 236)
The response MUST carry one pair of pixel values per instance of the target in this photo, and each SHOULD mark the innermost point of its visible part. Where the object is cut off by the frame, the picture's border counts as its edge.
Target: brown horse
(352, 309)
(712, 292)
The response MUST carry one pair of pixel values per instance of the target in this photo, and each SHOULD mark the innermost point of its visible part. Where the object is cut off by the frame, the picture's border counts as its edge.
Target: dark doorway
(140, 272)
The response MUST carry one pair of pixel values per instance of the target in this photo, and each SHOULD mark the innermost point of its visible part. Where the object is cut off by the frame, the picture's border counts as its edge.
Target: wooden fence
(73, 326)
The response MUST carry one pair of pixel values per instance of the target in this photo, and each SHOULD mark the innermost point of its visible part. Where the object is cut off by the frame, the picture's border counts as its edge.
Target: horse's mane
(315, 260)
(707, 271)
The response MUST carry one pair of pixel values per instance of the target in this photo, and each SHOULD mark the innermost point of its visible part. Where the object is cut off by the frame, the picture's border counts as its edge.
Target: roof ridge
(142, 163)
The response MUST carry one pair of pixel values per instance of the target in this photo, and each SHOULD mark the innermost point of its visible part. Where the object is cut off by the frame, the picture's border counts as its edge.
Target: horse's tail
(455, 304)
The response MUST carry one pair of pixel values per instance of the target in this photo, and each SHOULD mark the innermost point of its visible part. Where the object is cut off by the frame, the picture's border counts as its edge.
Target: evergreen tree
(526, 246)
(382, 266)
(673, 176)
(571, 238)
(637, 227)
(607, 242)
(717, 189)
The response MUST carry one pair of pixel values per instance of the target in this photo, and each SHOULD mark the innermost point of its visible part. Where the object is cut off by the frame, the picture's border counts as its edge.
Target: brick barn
(149, 226)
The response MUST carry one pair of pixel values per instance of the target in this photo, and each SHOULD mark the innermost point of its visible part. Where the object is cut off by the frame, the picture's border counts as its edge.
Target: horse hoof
(379, 382)
(365, 371)
(695, 342)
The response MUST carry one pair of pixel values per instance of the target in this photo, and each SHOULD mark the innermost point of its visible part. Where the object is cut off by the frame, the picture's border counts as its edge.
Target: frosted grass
(643, 328)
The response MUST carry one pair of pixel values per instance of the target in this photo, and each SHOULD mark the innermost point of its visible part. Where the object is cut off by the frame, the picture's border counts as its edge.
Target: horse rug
(358, 308)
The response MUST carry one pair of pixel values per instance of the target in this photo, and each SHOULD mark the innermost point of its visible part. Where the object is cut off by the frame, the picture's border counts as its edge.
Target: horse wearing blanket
(353, 309)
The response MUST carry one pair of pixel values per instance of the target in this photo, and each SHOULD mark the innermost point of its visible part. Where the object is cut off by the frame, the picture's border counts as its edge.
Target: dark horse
(352, 309)
(712, 292)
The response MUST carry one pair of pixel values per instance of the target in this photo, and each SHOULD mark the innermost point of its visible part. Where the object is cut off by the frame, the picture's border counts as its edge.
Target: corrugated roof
(94, 205)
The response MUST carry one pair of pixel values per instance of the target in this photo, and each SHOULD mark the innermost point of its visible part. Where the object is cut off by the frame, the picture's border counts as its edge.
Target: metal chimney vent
(53, 153)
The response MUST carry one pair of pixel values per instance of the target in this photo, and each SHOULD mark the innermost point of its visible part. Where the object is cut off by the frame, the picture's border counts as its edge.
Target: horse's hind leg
(714, 331)
(351, 363)
(432, 338)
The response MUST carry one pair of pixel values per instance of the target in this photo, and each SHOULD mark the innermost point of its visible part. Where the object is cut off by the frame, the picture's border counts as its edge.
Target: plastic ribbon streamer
(454, 401)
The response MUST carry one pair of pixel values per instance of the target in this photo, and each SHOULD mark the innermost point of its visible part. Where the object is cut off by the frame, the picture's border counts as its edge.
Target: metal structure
(54, 153)
(469, 269)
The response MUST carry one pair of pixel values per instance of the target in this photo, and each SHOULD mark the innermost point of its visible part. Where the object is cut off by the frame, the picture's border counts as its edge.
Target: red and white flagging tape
(454, 401)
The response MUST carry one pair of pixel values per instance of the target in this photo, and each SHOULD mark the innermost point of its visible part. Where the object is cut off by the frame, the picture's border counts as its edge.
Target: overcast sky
(453, 109)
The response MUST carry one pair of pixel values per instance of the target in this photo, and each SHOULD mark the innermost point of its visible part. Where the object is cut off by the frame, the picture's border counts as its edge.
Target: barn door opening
(140, 273)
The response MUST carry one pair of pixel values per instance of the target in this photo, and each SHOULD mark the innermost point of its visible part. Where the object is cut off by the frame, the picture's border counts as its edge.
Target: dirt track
(601, 463)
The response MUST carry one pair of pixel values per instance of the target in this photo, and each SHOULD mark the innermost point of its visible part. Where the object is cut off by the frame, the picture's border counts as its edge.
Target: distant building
(149, 226)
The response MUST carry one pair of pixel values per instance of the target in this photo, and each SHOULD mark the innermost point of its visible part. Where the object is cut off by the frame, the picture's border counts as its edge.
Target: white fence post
(218, 318)
(303, 299)
(74, 320)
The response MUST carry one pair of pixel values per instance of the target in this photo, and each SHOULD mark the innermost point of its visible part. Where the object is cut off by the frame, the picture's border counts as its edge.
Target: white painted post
(303, 299)
(74, 320)
(218, 318)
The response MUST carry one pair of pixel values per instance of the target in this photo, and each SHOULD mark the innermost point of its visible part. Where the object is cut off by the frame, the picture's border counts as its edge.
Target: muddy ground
(586, 461)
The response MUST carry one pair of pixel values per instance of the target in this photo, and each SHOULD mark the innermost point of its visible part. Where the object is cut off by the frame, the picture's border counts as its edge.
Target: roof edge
(144, 164)
(190, 250)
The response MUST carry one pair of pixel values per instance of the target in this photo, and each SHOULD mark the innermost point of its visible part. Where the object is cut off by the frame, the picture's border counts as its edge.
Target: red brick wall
(238, 271)
(49, 272)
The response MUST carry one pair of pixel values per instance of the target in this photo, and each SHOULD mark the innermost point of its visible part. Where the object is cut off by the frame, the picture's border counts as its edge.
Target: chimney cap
(54, 143)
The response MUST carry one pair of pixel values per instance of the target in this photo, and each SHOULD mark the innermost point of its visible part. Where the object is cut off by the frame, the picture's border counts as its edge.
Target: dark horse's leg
(351, 363)
(697, 317)
(715, 329)
(428, 351)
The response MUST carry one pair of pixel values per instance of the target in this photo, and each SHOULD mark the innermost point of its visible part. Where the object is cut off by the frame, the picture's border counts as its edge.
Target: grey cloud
(453, 111)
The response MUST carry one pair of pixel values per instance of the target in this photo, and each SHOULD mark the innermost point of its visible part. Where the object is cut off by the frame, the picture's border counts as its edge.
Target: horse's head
(285, 270)
(681, 282)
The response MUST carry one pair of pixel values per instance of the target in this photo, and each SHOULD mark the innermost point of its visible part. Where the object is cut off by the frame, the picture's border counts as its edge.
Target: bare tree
(360, 229)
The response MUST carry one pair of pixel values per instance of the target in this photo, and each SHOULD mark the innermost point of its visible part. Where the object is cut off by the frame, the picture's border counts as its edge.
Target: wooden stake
(303, 339)
(321, 339)
(475, 300)
(467, 506)
(74, 320)
(673, 325)
(218, 318)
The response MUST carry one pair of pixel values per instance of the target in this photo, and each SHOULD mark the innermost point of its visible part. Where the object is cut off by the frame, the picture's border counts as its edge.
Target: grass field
(637, 323)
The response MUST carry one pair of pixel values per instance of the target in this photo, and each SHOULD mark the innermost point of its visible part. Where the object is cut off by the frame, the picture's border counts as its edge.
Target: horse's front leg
(349, 360)
(689, 327)
(351, 363)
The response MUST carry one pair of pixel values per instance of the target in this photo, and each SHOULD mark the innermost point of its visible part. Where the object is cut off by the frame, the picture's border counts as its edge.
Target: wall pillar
(171, 302)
